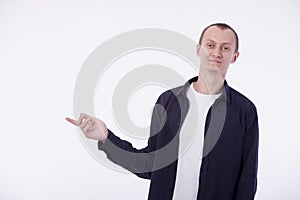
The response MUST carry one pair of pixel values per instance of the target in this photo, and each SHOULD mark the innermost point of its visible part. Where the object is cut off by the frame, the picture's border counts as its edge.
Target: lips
(215, 61)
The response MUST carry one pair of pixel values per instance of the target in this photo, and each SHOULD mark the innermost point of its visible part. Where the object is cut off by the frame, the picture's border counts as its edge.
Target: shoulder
(169, 95)
(241, 100)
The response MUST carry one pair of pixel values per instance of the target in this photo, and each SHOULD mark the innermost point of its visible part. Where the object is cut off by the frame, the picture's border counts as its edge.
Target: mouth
(218, 62)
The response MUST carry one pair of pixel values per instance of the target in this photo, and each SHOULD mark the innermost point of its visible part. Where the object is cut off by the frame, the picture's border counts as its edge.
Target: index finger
(72, 121)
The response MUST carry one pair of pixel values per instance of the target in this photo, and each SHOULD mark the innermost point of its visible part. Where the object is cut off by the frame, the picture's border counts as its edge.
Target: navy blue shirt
(230, 155)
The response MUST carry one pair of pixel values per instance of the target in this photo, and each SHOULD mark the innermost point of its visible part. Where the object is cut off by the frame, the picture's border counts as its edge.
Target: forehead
(218, 35)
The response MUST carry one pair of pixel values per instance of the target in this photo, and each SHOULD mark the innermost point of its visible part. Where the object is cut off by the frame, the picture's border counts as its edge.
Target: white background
(43, 45)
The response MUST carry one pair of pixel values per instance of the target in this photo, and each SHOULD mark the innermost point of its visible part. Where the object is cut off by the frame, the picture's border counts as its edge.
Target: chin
(216, 70)
(215, 67)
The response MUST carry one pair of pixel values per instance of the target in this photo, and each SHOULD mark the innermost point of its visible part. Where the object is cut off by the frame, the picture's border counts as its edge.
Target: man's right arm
(137, 161)
(121, 152)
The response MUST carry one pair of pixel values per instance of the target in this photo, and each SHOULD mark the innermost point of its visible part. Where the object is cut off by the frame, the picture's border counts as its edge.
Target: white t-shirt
(191, 145)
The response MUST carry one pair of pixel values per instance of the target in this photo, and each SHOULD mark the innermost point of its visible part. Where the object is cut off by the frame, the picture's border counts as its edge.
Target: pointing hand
(92, 127)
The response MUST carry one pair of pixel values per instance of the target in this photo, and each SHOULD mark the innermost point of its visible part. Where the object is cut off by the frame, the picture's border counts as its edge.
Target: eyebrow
(227, 43)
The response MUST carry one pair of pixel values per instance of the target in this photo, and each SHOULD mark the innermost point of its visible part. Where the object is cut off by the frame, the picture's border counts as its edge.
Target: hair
(222, 26)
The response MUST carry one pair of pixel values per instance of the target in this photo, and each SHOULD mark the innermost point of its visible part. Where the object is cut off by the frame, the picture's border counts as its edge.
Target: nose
(217, 53)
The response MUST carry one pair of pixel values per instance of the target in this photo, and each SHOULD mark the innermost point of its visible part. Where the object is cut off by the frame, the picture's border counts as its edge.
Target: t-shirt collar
(225, 95)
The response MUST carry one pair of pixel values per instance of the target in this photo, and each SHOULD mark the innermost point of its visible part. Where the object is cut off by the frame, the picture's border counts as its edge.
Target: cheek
(204, 53)
(229, 58)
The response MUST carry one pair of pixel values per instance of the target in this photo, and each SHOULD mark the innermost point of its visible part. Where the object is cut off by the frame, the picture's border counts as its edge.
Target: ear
(236, 55)
(198, 50)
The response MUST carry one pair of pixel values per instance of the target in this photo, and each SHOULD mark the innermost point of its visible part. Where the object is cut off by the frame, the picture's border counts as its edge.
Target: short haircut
(222, 26)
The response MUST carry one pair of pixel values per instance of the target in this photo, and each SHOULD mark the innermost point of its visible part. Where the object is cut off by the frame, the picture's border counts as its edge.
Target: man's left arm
(248, 180)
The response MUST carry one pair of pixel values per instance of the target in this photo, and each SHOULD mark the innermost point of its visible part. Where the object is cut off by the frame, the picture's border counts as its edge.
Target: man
(219, 160)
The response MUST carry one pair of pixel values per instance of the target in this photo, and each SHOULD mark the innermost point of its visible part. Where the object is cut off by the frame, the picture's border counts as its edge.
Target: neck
(209, 83)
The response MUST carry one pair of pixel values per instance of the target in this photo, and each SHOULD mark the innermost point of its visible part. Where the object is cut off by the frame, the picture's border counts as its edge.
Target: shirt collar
(225, 91)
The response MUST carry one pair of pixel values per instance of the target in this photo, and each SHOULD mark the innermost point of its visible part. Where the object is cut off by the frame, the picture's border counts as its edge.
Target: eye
(209, 45)
(226, 48)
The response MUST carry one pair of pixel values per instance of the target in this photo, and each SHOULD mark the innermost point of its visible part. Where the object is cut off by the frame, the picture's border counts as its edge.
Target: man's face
(217, 50)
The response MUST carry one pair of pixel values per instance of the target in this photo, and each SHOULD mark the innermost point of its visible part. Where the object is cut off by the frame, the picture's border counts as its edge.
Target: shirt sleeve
(248, 180)
(122, 152)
